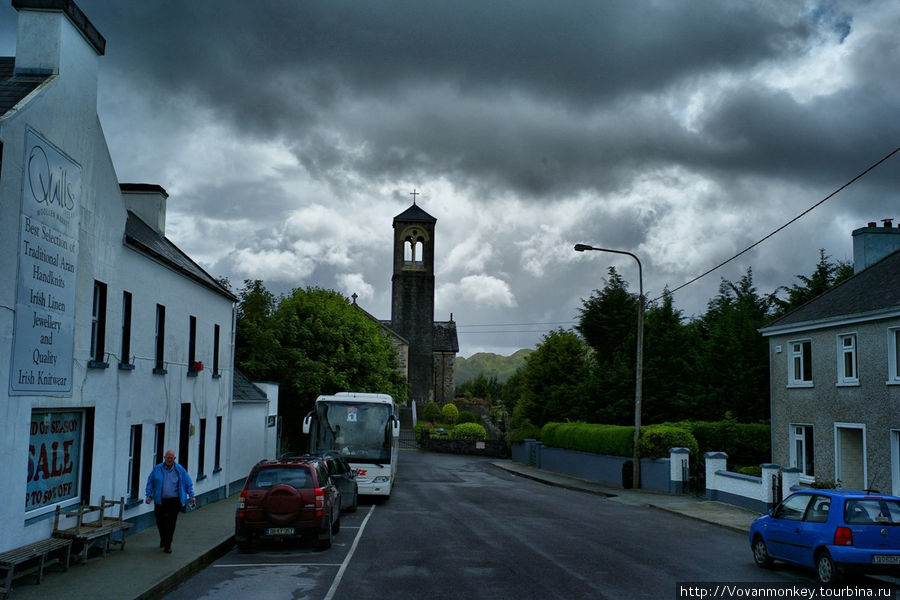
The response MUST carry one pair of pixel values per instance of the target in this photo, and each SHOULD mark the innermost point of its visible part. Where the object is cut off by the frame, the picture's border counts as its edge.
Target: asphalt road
(458, 527)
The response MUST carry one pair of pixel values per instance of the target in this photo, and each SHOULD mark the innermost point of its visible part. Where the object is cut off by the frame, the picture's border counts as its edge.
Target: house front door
(850, 457)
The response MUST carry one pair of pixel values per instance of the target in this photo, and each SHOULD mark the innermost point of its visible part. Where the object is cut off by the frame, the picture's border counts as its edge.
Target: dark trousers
(166, 515)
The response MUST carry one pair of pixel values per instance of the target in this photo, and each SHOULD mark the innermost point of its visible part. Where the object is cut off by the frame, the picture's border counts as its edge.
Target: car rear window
(298, 477)
(880, 511)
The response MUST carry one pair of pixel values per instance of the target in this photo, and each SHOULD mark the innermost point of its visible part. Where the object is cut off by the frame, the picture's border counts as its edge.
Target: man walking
(169, 487)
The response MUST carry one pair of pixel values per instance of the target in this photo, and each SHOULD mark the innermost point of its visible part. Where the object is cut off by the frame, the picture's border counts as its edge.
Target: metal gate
(408, 439)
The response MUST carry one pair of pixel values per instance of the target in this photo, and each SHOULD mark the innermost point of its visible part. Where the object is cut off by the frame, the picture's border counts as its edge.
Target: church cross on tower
(414, 193)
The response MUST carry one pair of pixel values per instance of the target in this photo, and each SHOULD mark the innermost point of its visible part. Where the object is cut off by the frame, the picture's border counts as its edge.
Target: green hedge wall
(746, 444)
(615, 440)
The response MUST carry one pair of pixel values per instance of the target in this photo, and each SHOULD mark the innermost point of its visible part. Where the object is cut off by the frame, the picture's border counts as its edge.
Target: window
(98, 327)
(894, 355)
(159, 448)
(201, 451)
(217, 466)
(802, 449)
(846, 353)
(414, 248)
(184, 434)
(216, 337)
(800, 365)
(160, 366)
(192, 347)
(134, 463)
(793, 508)
(125, 356)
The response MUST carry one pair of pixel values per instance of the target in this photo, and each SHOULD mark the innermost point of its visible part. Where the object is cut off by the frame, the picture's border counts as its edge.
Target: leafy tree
(734, 363)
(486, 388)
(670, 359)
(320, 344)
(826, 275)
(608, 319)
(608, 323)
(554, 377)
(256, 350)
(511, 392)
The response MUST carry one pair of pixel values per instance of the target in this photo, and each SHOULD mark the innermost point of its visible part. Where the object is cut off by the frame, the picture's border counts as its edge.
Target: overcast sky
(289, 134)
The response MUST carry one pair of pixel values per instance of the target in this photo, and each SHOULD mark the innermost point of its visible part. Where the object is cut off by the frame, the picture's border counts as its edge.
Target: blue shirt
(170, 483)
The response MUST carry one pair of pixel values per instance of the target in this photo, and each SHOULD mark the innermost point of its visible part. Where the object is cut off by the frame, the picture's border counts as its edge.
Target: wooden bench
(32, 559)
(100, 530)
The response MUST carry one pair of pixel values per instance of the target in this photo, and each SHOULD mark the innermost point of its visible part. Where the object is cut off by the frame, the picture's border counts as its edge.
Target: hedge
(615, 440)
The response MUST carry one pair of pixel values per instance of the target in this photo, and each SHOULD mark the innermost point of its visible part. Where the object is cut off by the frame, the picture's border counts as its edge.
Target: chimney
(872, 243)
(148, 202)
(49, 32)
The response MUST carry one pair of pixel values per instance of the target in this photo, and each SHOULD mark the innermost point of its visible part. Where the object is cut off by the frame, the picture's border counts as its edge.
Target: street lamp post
(639, 367)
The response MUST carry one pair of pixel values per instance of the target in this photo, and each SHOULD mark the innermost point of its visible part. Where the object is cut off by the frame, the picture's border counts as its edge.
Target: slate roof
(245, 391)
(444, 337)
(13, 89)
(414, 214)
(143, 238)
(872, 293)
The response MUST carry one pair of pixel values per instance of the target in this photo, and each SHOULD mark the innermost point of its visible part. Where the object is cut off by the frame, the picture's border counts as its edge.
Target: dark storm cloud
(427, 87)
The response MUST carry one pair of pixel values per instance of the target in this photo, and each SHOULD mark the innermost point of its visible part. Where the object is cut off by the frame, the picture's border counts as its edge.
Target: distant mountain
(502, 367)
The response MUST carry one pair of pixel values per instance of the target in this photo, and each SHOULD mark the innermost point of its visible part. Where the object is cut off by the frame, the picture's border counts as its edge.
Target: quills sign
(47, 257)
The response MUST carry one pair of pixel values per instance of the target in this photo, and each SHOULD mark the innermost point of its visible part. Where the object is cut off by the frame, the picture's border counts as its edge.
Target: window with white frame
(802, 449)
(894, 355)
(800, 363)
(846, 359)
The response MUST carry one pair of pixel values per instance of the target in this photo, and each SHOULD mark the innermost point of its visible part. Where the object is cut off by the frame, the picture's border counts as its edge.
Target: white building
(115, 344)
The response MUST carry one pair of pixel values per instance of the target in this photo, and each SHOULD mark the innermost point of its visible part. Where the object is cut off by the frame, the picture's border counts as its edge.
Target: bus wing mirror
(395, 427)
(307, 422)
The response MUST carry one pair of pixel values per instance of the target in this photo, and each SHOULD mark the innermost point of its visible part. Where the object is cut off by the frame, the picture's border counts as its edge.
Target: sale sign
(54, 455)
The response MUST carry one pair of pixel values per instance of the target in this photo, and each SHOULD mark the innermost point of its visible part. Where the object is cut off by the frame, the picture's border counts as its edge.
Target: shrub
(468, 431)
(431, 412)
(656, 440)
(450, 413)
(417, 430)
(754, 471)
(466, 416)
(521, 428)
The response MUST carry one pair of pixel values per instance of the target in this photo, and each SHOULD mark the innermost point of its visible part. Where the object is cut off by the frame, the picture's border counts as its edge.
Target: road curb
(168, 583)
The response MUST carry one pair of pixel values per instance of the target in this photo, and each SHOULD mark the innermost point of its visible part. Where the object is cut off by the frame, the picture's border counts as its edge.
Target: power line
(805, 212)
(515, 324)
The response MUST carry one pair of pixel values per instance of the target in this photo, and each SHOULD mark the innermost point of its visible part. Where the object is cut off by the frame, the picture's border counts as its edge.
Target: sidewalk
(717, 513)
(142, 571)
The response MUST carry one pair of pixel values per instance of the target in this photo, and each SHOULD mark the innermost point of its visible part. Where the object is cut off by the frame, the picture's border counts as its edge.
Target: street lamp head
(582, 247)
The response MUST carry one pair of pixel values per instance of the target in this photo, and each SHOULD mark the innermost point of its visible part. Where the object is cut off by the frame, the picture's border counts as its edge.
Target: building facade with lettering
(114, 344)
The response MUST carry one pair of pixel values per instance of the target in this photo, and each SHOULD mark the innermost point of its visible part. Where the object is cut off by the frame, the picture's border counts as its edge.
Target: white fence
(755, 493)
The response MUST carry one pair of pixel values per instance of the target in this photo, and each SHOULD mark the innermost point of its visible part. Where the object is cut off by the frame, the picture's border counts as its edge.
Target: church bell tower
(412, 296)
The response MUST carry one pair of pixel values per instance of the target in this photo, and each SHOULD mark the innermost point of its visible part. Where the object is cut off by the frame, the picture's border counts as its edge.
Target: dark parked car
(345, 478)
(288, 498)
(835, 532)
(341, 472)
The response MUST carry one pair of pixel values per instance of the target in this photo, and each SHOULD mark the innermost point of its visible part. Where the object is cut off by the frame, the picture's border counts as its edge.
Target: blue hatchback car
(836, 532)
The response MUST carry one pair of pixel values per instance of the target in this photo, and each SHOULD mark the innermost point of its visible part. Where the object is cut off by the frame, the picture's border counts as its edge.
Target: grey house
(835, 377)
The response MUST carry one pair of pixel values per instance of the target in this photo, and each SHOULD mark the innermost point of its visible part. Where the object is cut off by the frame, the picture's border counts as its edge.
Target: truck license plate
(280, 531)
(883, 559)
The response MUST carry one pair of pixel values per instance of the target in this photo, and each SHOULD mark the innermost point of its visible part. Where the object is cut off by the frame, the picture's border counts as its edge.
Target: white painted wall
(63, 111)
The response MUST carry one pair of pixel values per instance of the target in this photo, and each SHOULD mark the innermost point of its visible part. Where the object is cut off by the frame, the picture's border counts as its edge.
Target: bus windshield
(360, 431)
